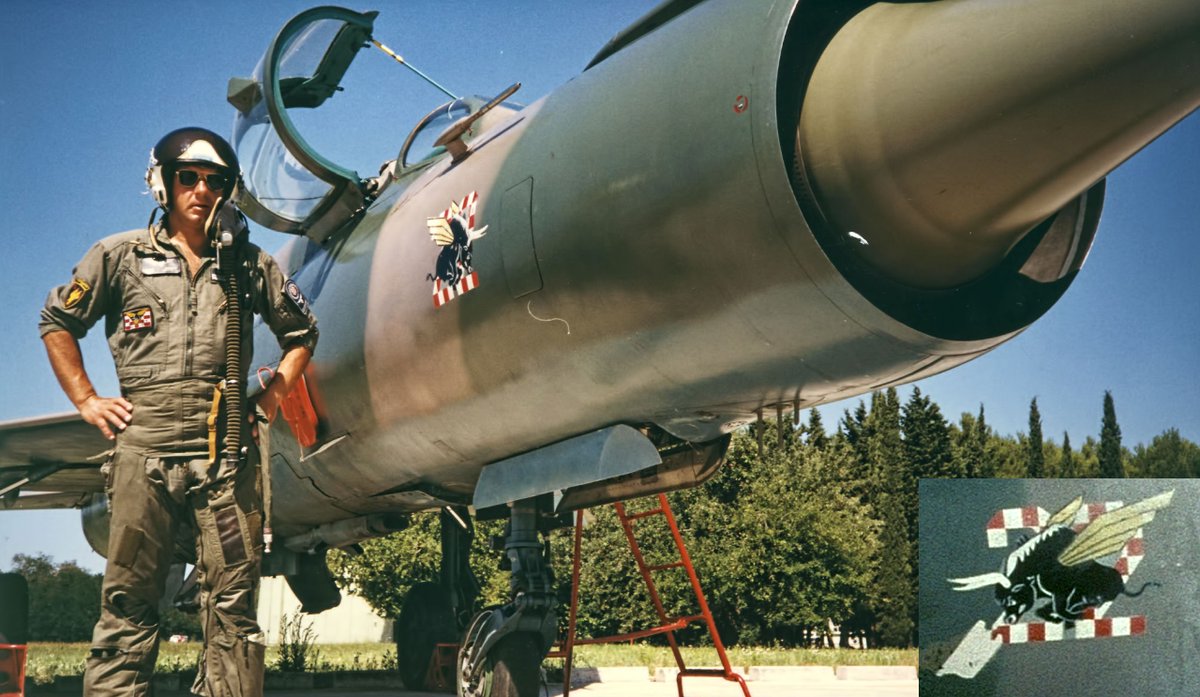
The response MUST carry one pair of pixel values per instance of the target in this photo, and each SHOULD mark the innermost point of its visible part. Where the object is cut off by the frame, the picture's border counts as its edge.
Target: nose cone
(940, 133)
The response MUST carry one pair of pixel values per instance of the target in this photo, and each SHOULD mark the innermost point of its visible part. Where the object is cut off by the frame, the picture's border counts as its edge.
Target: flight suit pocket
(236, 534)
(254, 532)
(124, 549)
(106, 471)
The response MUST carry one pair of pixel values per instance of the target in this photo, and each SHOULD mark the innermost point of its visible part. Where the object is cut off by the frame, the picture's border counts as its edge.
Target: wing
(1067, 514)
(50, 462)
(439, 231)
(1109, 532)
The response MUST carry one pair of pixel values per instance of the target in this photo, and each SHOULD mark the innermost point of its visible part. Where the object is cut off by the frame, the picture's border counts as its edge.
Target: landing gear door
(289, 186)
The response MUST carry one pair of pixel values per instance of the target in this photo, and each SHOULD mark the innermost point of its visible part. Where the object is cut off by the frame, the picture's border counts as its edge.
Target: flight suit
(166, 332)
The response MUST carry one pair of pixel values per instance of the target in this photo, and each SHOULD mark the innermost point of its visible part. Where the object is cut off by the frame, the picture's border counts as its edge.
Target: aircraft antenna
(410, 66)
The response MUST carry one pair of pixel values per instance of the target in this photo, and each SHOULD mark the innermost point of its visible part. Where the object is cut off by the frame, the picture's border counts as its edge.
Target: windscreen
(272, 175)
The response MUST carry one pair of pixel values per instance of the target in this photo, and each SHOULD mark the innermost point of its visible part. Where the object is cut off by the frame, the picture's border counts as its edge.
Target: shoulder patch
(292, 291)
(137, 319)
(79, 290)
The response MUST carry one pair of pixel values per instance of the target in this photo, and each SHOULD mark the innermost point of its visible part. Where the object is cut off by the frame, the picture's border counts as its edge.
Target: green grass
(48, 660)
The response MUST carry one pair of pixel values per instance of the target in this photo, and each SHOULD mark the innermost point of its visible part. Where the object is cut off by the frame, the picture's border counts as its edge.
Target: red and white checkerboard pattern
(443, 294)
(1093, 624)
(468, 205)
(133, 320)
(1088, 627)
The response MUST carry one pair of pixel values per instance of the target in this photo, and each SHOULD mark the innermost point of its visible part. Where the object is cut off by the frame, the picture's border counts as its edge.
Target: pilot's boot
(230, 549)
(125, 640)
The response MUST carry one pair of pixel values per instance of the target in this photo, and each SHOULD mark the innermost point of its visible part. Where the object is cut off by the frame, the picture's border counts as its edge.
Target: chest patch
(137, 319)
(169, 266)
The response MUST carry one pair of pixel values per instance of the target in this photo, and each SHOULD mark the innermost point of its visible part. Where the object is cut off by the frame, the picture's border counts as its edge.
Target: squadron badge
(454, 231)
(78, 291)
(137, 319)
(1058, 576)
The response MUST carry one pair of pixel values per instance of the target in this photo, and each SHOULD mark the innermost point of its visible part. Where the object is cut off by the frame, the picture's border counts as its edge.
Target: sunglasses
(214, 181)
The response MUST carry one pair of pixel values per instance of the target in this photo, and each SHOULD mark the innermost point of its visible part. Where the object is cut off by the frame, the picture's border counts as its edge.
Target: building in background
(353, 621)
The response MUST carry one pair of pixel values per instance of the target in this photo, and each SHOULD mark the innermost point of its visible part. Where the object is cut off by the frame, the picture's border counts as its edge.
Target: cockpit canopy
(289, 185)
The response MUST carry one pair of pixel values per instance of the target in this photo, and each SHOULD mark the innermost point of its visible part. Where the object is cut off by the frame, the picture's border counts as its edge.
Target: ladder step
(644, 514)
(664, 567)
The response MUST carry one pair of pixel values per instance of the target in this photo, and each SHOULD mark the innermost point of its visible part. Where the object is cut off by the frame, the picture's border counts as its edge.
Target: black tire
(425, 621)
(514, 667)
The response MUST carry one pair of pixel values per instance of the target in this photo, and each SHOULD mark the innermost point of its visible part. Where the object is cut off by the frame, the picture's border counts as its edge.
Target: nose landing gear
(502, 651)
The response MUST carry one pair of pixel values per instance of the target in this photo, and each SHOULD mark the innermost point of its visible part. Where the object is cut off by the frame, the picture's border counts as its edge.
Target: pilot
(165, 306)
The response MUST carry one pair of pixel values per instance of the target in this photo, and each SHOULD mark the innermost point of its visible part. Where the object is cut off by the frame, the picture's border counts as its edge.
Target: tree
(1036, 463)
(927, 439)
(390, 565)
(64, 599)
(1067, 467)
(793, 549)
(1111, 465)
(1168, 455)
(816, 430)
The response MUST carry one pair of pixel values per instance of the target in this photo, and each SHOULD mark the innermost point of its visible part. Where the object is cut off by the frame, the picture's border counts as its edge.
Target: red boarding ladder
(668, 625)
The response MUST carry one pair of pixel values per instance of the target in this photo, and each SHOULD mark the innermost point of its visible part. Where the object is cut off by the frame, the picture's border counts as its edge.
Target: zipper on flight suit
(162, 304)
(192, 303)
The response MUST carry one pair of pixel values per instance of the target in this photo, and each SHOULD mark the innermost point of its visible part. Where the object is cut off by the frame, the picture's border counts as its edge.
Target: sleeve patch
(292, 291)
(78, 291)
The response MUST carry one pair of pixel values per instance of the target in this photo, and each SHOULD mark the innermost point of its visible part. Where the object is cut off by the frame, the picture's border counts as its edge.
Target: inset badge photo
(1059, 586)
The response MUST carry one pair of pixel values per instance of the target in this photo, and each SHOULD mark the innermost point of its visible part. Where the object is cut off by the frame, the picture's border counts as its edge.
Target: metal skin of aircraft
(538, 309)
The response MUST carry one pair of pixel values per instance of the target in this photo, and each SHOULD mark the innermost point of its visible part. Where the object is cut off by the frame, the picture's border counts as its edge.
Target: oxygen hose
(234, 391)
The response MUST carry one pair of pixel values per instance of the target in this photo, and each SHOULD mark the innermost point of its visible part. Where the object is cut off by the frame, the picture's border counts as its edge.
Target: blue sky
(90, 87)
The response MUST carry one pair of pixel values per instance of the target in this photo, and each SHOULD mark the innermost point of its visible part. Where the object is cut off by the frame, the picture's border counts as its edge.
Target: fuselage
(649, 257)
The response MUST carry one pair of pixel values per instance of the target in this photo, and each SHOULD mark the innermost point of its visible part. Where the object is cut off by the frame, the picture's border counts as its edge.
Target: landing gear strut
(502, 650)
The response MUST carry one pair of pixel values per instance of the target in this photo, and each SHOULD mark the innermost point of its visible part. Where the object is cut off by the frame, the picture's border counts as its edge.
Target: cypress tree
(927, 439)
(1067, 471)
(986, 465)
(1111, 466)
(1036, 464)
(816, 430)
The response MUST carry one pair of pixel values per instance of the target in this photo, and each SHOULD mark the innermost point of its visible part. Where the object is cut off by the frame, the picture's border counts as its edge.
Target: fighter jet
(737, 208)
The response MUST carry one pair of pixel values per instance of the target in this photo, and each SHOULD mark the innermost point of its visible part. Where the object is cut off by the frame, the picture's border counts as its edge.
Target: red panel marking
(1037, 631)
(1134, 547)
(1137, 624)
(997, 521)
(1001, 632)
(1104, 627)
(1094, 510)
(1089, 614)
(1122, 567)
(1029, 517)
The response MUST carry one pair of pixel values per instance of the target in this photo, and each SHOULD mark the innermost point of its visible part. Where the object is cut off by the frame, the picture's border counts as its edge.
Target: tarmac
(892, 688)
(769, 681)
(635, 682)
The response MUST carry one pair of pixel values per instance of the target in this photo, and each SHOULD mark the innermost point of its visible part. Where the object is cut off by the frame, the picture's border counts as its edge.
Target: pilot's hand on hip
(107, 414)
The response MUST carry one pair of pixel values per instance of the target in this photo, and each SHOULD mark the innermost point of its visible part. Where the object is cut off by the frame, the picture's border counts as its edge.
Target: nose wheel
(511, 669)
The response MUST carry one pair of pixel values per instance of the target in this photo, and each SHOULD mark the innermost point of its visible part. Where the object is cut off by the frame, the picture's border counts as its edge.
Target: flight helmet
(190, 145)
